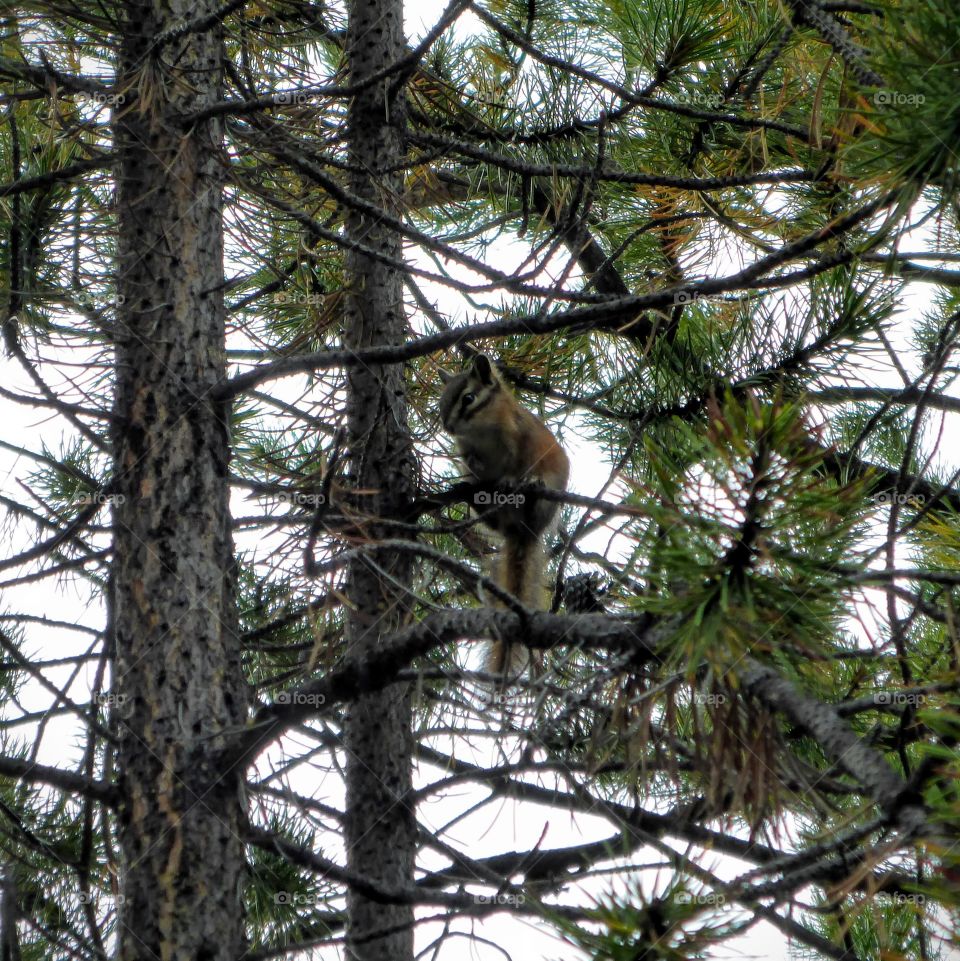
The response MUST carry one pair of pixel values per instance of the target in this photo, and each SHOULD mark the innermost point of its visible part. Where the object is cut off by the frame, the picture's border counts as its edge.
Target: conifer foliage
(246, 588)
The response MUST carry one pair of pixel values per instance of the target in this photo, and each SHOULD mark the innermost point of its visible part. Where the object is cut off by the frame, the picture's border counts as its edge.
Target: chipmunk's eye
(468, 398)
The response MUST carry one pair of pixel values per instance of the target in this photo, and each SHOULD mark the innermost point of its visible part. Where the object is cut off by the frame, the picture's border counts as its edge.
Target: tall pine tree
(245, 595)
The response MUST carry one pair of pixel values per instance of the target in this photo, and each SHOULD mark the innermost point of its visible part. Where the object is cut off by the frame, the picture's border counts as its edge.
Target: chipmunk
(502, 444)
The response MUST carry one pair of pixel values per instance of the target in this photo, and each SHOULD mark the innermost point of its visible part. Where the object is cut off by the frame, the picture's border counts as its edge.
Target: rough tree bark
(178, 674)
(380, 826)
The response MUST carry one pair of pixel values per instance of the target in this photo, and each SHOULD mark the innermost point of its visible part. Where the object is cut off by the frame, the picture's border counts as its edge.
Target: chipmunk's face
(467, 394)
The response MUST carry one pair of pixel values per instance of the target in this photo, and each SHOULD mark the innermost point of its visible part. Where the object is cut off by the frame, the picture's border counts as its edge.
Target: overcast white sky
(513, 827)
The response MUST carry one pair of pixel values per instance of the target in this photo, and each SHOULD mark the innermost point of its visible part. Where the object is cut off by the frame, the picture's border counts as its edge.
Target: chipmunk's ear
(484, 369)
(445, 375)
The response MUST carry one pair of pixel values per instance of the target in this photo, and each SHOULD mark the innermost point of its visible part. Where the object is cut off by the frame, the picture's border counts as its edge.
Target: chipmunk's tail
(521, 570)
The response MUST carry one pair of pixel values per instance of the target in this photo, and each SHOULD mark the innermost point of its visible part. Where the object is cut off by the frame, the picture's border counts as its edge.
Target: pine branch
(352, 677)
(903, 808)
(63, 175)
(852, 54)
(30, 772)
(607, 174)
(889, 395)
(42, 76)
(628, 96)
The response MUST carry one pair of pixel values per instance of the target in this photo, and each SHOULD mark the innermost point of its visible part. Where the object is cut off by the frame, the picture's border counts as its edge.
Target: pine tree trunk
(380, 827)
(178, 674)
